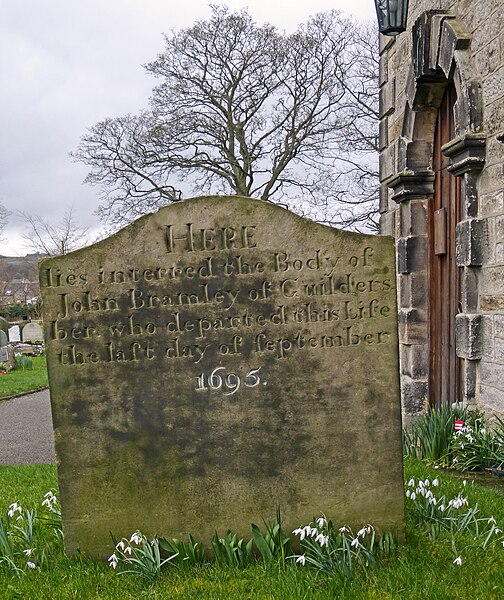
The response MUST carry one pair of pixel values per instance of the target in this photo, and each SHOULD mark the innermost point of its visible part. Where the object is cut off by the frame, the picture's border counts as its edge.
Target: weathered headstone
(32, 332)
(14, 334)
(4, 331)
(7, 356)
(218, 359)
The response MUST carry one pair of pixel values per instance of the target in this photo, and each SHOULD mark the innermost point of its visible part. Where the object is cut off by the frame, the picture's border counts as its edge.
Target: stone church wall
(460, 42)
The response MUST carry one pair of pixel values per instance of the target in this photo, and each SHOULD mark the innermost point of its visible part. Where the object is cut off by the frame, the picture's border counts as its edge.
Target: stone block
(387, 98)
(493, 85)
(492, 203)
(492, 280)
(469, 336)
(411, 254)
(492, 374)
(492, 400)
(499, 326)
(218, 359)
(412, 326)
(383, 136)
(415, 361)
(487, 323)
(414, 398)
(499, 349)
(469, 381)
(469, 289)
(471, 242)
(492, 302)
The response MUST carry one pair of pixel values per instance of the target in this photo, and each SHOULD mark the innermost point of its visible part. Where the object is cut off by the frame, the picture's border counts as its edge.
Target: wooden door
(444, 275)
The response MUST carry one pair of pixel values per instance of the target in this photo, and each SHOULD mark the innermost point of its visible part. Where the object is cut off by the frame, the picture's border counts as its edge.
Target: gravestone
(4, 331)
(215, 360)
(14, 334)
(32, 332)
(7, 356)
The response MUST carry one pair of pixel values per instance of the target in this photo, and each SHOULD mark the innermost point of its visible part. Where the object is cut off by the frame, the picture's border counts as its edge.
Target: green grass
(421, 568)
(20, 381)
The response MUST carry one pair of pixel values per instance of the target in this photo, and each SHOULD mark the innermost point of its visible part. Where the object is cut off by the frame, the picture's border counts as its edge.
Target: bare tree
(59, 238)
(248, 110)
(4, 216)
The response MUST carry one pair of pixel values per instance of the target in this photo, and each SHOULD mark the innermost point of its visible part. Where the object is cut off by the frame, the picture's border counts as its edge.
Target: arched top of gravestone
(211, 224)
(4, 325)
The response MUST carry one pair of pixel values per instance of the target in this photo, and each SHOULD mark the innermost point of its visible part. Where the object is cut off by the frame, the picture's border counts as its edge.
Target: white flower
(321, 522)
(426, 483)
(354, 542)
(311, 531)
(413, 496)
(136, 538)
(464, 483)
(497, 530)
(120, 545)
(362, 532)
(113, 560)
(343, 529)
(408, 493)
(411, 483)
(436, 467)
(322, 539)
(429, 494)
(298, 531)
(301, 559)
(455, 461)
(420, 484)
(442, 507)
(458, 561)
(127, 550)
(13, 509)
(491, 521)
(502, 542)
(27, 552)
(435, 482)
(31, 565)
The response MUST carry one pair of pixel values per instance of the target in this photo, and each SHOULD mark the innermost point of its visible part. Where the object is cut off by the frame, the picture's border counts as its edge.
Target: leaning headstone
(14, 334)
(32, 332)
(3, 338)
(219, 359)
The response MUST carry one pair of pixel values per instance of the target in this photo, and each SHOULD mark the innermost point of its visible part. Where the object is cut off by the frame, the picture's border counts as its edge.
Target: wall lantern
(392, 16)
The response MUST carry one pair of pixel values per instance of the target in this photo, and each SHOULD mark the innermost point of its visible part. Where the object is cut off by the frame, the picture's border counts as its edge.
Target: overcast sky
(67, 64)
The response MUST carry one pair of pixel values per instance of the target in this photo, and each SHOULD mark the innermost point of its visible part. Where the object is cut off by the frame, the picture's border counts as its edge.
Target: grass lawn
(20, 381)
(421, 569)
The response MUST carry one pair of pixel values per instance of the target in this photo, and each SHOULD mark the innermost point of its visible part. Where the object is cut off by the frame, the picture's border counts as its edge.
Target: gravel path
(26, 434)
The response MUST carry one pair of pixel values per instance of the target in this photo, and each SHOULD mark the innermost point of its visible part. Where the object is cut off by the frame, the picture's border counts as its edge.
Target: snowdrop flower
(120, 545)
(497, 530)
(491, 521)
(343, 529)
(136, 538)
(321, 522)
(354, 542)
(311, 531)
(420, 484)
(127, 550)
(411, 483)
(31, 565)
(27, 552)
(502, 542)
(408, 493)
(435, 482)
(113, 560)
(322, 539)
(413, 496)
(455, 461)
(13, 509)
(464, 483)
(49, 500)
(298, 531)
(442, 507)
(426, 483)
(458, 561)
(301, 559)
(429, 494)
(362, 532)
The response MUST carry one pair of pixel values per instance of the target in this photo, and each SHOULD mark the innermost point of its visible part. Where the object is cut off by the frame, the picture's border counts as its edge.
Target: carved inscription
(219, 303)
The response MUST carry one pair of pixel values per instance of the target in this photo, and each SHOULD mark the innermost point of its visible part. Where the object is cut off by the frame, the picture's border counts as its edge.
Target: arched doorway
(444, 275)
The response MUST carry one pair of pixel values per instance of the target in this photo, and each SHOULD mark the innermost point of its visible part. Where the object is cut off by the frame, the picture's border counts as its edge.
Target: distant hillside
(19, 267)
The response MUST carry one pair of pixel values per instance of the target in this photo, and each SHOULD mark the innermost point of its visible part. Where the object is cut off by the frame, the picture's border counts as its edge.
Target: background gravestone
(4, 331)
(7, 356)
(14, 334)
(215, 360)
(32, 332)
